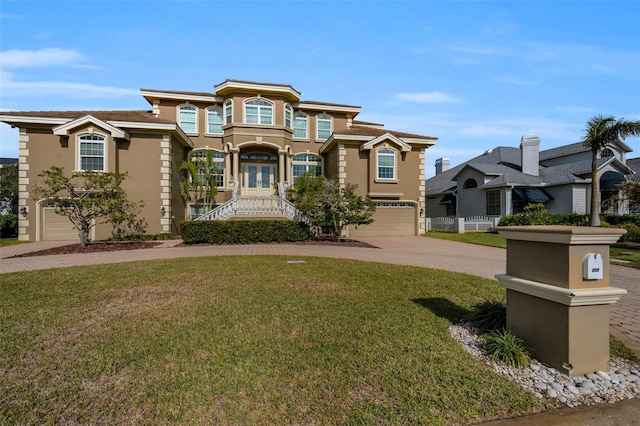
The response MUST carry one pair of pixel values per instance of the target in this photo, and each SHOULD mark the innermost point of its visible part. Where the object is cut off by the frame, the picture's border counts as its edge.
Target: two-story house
(260, 134)
(504, 180)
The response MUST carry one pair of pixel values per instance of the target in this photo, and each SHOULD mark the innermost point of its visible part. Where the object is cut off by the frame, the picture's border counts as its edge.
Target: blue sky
(476, 74)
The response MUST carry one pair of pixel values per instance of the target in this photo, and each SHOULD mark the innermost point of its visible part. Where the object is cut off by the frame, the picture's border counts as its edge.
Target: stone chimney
(442, 165)
(530, 154)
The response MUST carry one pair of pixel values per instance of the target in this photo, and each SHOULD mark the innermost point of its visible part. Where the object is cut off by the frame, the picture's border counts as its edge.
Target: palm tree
(200, 183)
(600, 132)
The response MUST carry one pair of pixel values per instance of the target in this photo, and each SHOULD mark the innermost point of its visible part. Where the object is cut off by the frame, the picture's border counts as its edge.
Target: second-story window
(287, 116)
(214, 121)
(323, 123)
(91, 153)
(300, 125)
(386, 164)
(258, 111)
(228, 112)
(187, 118)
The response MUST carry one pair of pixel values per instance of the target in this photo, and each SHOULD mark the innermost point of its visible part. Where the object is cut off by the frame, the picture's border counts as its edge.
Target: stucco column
(281, 166)
(236, 164)
(558, 293)
(288, 177)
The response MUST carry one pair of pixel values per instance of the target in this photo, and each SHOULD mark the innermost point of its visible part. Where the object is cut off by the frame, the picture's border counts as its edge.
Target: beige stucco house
(263, 136)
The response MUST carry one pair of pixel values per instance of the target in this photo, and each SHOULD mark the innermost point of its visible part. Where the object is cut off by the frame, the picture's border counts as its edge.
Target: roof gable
(404, 147)
(64, 129)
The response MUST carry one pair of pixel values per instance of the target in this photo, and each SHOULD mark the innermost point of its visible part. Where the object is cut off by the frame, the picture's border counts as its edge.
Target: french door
(258, 179)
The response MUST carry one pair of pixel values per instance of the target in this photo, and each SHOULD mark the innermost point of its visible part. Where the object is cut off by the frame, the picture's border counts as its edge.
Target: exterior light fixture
(421, 212)
(23, 211)
(163, 211)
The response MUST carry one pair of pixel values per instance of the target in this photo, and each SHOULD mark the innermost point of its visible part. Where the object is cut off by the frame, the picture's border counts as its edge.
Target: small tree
(86, 198)
(9, 189)
(331, 206)
(600, 133)
(200, 183)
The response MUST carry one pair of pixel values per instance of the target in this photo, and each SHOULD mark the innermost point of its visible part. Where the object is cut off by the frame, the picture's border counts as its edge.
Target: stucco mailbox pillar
(558, 293)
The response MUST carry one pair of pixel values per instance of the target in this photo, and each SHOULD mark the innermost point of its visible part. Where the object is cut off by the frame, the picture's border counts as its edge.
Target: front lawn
(245, 340)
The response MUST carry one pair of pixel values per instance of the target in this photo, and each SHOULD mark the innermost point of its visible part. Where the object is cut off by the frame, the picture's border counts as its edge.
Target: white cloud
(427, 97)
(518, 81)
(514, 129)
(45, 57)
(15, 88)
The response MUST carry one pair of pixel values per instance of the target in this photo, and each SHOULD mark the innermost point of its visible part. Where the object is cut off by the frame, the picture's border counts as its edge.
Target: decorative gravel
(622, 381)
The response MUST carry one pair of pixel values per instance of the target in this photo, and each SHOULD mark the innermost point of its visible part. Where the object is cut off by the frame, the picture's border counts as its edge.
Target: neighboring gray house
(504, 180)
(634, 165)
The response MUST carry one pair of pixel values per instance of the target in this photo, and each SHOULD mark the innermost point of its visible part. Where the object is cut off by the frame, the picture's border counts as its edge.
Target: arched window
(91, 153)
(228, 112)
(323, 127)
(214, 120)
(188, 118)
(300, 126)
(287, 116)
(386, 164)
(303, 163)
(470, 184)
(606, 153)
(258, 111)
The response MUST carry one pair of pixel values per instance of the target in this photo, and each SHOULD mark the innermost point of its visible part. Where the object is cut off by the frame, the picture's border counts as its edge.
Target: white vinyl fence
(460, 225)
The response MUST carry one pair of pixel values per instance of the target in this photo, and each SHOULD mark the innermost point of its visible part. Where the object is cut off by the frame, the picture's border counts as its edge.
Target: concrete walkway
(416, 251)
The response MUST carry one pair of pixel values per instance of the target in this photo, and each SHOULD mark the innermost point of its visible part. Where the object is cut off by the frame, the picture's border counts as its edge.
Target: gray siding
(434, 209)
(574, 158)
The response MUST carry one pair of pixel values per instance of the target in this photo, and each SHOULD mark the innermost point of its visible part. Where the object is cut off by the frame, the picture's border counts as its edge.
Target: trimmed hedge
(244, 231)
(8, 225)
(630, 222)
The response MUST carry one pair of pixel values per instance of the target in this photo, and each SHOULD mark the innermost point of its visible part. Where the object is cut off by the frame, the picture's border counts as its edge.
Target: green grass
(628, 253)
(482, 238)
(10, 242)
(245, 340)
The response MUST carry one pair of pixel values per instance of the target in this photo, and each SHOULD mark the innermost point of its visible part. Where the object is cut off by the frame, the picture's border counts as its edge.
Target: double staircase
(253, 207)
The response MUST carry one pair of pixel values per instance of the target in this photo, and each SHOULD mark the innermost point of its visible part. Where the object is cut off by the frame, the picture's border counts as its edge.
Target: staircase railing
(255, 206)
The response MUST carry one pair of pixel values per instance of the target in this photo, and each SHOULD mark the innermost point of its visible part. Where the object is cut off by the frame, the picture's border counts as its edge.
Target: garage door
(391, 219)
(57, 227)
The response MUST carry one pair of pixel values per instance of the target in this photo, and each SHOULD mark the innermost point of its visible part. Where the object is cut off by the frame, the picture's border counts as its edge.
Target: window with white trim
(302, 163)
(386, 164)
(187, 118)
(287, 116)
(323, 127)
(214, 121)
(196, 210)
(470, 184)
(606, 153)
(228, 112)
(300, 125)
(91, 149)
(258, 111)
(217, 166)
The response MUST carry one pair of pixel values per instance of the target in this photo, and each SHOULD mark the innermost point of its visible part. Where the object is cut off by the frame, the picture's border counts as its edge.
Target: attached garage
(391, 219)
(56, 227)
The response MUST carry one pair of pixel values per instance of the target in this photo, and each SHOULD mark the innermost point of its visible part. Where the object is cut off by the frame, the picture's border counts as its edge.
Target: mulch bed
(98, 246)
(102, 246)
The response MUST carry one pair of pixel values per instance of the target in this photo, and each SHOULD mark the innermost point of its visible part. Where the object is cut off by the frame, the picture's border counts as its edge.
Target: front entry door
(258, 179)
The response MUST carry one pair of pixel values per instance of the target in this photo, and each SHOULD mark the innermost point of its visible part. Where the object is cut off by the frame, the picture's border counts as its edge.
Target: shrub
(503, 345)
(243, 231)
(8, 225)
(488, 316)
